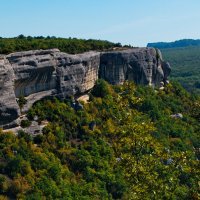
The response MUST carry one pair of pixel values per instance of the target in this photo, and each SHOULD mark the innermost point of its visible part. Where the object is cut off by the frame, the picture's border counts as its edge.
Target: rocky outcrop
(9, 109)
(41, 73)
(76, 73)
(141, 65)
(34, 71)
(44, 70)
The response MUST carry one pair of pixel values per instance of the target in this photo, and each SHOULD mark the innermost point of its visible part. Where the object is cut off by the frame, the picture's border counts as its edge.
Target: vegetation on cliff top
(68, 45)
(126, 143)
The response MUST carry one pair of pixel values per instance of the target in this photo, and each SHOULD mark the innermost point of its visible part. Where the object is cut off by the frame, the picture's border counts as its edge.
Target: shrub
(25, 123)
(101, 89)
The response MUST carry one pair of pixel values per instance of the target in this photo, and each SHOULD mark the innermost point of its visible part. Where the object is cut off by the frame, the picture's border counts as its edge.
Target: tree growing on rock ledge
(101, 88)
(21, 102)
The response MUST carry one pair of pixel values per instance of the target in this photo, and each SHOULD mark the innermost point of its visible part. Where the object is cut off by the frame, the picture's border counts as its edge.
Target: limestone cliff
(141, 65)
(34, 71)
(76, 73)
(9, 109)
(41, 73)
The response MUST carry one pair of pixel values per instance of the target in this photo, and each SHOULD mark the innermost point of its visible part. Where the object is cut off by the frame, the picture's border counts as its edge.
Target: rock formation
(9, 109)
(141, 65)
(41, 73)
(76, 73)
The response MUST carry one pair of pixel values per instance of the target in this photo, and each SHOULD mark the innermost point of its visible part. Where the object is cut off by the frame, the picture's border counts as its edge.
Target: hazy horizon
(127, 22)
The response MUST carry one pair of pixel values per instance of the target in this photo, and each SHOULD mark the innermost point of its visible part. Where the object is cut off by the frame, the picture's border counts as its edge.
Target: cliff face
(141, 65)
(41, 73)
(76, 73)
(9, 109)
(34, 71)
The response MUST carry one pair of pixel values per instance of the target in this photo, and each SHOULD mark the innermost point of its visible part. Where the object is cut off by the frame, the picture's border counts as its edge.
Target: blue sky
(134, 22)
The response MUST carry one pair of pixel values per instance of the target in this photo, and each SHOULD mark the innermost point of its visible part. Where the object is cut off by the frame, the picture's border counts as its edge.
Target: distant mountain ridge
(175, 44)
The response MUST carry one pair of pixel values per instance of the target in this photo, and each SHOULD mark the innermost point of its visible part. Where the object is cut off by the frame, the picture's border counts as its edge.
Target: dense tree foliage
(68, 45)
(136, 148)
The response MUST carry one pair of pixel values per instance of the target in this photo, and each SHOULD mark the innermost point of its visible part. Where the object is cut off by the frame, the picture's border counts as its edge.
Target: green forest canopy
(124, 144)
(68, 45)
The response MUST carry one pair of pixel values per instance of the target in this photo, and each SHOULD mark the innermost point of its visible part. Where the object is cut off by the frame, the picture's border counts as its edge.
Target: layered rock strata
(41, 73)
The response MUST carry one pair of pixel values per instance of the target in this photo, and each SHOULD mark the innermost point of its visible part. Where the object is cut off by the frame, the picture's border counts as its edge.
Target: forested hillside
(68, 45)
(185, 63)
(176, 44)
(127, 142)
